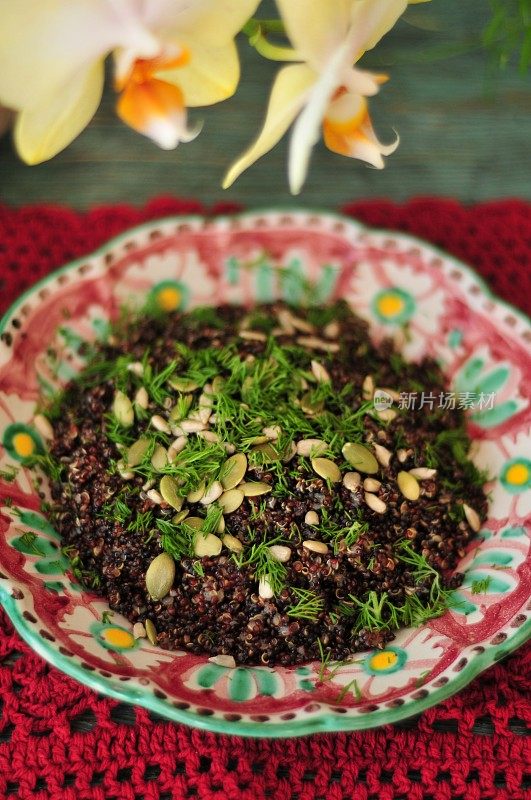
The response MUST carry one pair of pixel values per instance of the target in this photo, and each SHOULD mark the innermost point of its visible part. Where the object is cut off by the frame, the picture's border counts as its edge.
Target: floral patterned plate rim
(432, 304)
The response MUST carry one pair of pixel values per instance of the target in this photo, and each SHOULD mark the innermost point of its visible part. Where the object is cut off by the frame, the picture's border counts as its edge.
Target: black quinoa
(214, 606)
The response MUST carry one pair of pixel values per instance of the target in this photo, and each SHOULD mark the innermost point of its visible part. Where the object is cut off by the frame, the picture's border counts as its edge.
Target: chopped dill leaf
(308, 606)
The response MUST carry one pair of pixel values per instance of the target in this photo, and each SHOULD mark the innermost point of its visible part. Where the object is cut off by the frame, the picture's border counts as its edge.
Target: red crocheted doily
(60, 740)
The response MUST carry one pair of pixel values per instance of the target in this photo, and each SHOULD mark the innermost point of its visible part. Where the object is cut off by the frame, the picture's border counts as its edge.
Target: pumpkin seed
(360, 457)
(196, 494)
(258, 440)
(185, 385)
(382, 454)
(320, 373)
(221, 525)
(43, 426)
(265, 590)
(408, 485)
(280, 553)
(285, 319)
(232, 543)
(254, 488)
(402, 454)
(169, 490)
(148, 484)
(351, 480)
(231, 500)
(155, 497)
(289, 452)
(233, 470)
(125, 474)
(142, 398)
(312, 518)
(472, 518)
(180, 411)
(209, 545)
(180, 516)
(310, 406)
(195, 522)
(315, 547)
(139, 632)
(137, 451)
(327, 469)
(217, 384)
(223, 661)
(151, 632)
(214, 491)
(423, 473)
(268, 453)
(160, 576)
(159, 459)
(367, 387)
(311, 447)
(371, 485)
(123, 410)
(375, 503)
(160, 424)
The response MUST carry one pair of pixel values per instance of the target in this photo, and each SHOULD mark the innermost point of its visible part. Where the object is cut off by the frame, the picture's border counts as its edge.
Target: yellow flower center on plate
(117, 637)
(23, 445)
(383, 660)
(517, 474)
(169, 298)
(389, 305)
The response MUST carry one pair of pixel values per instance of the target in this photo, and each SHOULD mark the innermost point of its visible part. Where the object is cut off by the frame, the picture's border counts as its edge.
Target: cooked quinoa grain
(293, 517)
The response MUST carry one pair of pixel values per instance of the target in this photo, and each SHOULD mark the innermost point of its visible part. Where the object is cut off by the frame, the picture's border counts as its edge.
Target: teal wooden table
(464, 126)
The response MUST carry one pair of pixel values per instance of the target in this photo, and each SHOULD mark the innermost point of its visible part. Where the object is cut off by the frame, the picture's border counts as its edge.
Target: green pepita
(209, 545)
(233, 470)
(360, 457)
(160, 576)
(123, 410)
(267, 452)
(180, 516)
(231, 500)
(232, 543)
(196, 494)
(185, 385)
(137, 451)
(408, 485)
(255, 488)
(151, 632)
(326, 469)
(169, 490)
(159, 459)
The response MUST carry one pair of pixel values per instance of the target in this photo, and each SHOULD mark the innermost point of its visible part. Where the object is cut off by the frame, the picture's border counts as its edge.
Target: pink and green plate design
(431, 304)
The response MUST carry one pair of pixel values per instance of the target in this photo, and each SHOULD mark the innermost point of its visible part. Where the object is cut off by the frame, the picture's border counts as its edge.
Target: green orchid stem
(256, 29)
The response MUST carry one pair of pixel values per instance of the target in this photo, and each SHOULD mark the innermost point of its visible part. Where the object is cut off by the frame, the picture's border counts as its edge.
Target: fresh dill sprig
(198, 569)
(155, 382)
(263, 564)
(51, 467)
(481, 585)
(141, 522)
(177, 540)
(308, 606)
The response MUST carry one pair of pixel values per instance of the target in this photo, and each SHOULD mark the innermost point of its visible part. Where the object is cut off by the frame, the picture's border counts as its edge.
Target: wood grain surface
(465, 130)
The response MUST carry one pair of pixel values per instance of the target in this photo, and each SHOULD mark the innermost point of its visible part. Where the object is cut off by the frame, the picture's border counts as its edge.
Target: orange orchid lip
(144, 69)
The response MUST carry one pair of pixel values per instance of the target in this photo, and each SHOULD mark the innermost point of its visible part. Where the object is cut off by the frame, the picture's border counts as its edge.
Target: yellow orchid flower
(168, 54)
(325, 92)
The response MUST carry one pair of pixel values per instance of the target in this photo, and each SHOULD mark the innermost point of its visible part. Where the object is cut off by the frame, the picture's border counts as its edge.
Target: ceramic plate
(432, 305)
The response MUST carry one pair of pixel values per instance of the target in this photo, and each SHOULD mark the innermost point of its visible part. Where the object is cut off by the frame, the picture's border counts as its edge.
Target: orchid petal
(359, 81)
(370, 20)
(306, 131)
(210, 75)
(156, 109)
(43, 44)
(48, 127)
(215, 21)
(315, 27)
(288, 95)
